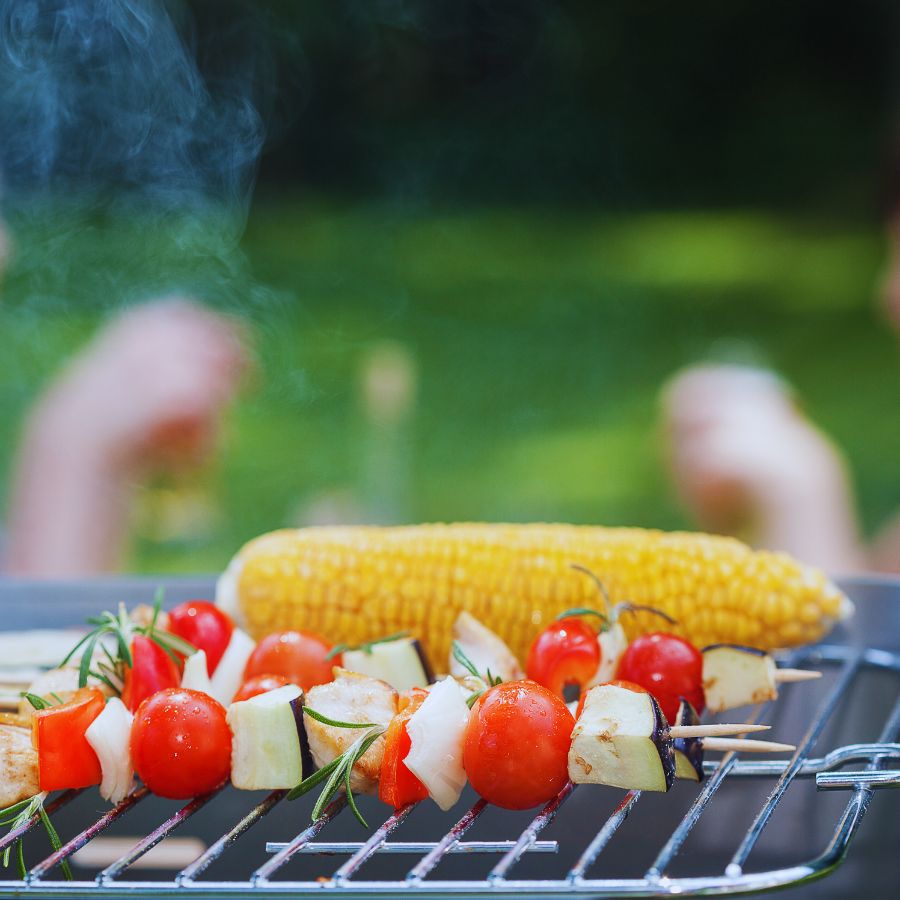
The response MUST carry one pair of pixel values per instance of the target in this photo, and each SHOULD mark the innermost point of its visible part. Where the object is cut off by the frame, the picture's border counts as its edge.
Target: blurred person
(145, 395)
(746, 461)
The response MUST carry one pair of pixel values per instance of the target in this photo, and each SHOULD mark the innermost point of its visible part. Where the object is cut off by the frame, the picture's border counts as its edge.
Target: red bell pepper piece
(65, 758)
(152, 670)
(397, 785)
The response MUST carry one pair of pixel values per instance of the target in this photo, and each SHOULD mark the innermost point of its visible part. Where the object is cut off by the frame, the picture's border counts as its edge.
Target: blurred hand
(147, 392)
(150, 389)
(744, 458)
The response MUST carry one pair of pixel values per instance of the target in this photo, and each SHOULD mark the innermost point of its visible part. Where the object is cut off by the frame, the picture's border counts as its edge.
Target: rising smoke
(114, 122)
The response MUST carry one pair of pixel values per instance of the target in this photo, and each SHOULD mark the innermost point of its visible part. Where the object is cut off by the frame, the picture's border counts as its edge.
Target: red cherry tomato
(669, 667)
(517, 745)
(297, 655)
(152, 670)
(181, 743)
(203, 625)
(565, 652)
(259, 684)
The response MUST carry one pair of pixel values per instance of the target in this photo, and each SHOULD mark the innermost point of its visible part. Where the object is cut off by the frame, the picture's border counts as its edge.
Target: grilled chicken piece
(350, 698)
(485, 649)
(18, 765)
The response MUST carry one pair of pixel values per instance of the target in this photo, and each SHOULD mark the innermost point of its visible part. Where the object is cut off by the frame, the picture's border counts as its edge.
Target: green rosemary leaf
(59, 700)
(580, 611)
(351, 799)
(332, 784)
(26, 809)
(637, 607)
(169, 641)
(15, 809)
(165, 648)
(334, 723)
(368, 740)
(157, 606)
(389, 639)
(610, 613)
(85, 667)
(473, 698)
(112, 660)
(353, 757)
(341, 772)
(366, 646)
(74, 650)
(316, 778)
(20, 858)
(101, 677)
(460, 656)
(37, 703)
(335, 650)
(55, 842)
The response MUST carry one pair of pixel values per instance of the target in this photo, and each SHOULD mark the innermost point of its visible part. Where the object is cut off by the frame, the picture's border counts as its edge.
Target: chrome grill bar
(443, 846)
(603, 836)
(9, 839)
(413, 848)
(265, 871)
(89, 833)
(529, 835)
(373, 844)
(215, 850)
(110, 873)
(812, 735)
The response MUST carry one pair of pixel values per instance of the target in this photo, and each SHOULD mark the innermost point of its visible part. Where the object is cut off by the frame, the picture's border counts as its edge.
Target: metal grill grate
(847, 665)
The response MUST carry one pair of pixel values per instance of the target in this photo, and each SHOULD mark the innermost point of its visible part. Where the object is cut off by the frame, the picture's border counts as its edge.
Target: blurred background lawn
(539, 340)
(535, 213)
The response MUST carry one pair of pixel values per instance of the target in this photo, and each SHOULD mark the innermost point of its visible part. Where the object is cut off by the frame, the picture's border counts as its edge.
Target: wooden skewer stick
(713, 730)
(726, 744)
(783, 676)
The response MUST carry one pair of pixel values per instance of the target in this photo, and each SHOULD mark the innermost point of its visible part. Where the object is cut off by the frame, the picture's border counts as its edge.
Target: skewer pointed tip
(714, 730)
(726, 745)
(786, 676)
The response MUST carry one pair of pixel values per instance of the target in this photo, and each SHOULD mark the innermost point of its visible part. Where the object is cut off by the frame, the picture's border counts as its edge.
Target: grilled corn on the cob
(358, 583)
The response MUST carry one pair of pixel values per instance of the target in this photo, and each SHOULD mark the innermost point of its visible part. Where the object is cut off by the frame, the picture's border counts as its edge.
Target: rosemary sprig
(582, 611)
(613, 611)
(111, 671)
(18, 815)
(319, 717)
(35, 701)
(340, 769)
(365, 646)
(488, 679)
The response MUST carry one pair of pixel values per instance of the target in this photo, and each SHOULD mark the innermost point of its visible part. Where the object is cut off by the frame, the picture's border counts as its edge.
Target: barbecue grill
(751, 826)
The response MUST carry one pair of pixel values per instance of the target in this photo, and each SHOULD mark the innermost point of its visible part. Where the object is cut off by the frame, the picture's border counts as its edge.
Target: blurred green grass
(540, 338)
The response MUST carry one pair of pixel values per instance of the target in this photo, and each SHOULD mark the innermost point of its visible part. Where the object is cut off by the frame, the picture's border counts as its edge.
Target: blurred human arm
(747, 462)
(147, 393)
